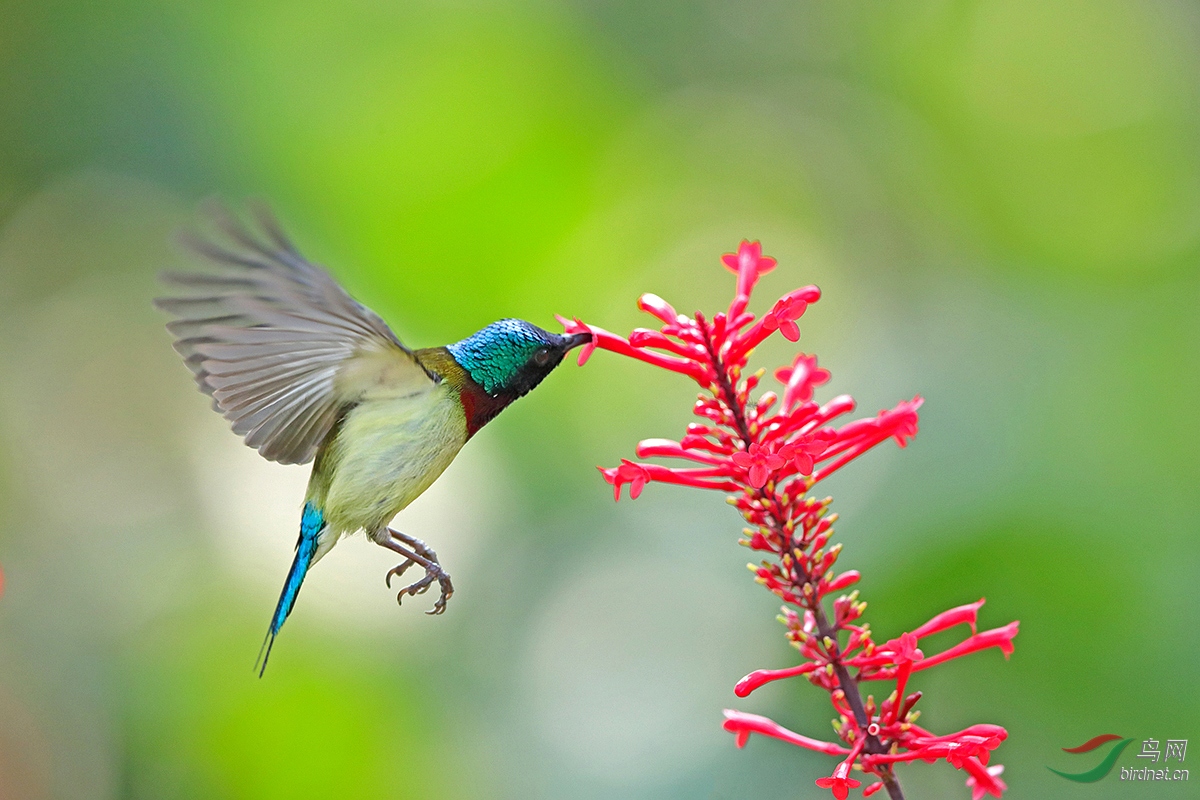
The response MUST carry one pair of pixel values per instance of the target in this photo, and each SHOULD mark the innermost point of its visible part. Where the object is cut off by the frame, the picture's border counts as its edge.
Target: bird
(305, 373)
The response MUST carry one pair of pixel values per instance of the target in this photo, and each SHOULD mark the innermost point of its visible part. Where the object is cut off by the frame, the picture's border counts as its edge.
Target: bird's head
(512, 356)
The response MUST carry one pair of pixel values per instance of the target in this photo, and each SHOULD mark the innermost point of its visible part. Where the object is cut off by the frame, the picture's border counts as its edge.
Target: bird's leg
(422, 555)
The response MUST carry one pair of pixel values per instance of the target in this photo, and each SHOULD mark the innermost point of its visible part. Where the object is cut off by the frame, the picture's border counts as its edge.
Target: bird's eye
(542, 356)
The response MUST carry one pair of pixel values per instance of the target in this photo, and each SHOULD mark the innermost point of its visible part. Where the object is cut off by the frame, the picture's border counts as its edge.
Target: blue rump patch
(311, 521)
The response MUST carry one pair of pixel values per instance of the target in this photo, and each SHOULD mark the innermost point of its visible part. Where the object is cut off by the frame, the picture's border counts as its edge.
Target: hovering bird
(305, 373)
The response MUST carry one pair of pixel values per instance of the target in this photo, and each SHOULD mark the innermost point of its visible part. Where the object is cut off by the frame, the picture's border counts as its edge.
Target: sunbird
(306, 373)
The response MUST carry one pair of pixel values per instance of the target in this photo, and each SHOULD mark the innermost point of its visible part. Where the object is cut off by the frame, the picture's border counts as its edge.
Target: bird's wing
(280, 347)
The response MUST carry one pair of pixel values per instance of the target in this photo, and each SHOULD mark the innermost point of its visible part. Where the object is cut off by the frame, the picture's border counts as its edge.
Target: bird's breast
(386, 453)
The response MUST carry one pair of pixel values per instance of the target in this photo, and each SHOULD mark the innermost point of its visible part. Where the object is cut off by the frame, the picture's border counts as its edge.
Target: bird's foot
(424, 556)
(432, 573)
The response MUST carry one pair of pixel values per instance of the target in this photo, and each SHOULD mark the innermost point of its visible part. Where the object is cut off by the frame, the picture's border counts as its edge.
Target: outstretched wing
(279, 346)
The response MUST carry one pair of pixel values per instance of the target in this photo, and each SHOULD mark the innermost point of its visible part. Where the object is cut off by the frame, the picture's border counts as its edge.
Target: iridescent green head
(512, 356)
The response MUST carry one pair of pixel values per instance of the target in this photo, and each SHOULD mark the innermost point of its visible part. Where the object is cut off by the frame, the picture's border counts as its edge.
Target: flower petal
(758, 475)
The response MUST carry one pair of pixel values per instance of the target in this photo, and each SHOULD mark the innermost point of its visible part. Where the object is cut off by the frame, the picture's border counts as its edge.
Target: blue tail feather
(311, 525)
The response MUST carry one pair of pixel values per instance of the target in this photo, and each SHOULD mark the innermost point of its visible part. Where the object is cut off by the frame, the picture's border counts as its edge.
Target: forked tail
(311, 525)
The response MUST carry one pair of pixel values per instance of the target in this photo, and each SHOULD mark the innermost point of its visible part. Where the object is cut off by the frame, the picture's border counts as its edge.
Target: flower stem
(854, 699)
(771, 502)
(729, 397)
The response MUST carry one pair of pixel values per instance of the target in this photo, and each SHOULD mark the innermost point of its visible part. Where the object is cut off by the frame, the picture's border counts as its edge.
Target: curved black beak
(575, 339)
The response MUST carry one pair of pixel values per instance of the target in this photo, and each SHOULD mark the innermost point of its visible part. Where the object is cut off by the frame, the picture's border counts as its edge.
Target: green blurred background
(1001, 201)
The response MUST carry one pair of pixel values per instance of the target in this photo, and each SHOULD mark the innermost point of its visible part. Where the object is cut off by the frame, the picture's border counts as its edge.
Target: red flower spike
(767, 453)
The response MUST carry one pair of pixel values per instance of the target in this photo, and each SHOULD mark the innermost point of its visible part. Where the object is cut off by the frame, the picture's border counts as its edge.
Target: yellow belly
(384, 455)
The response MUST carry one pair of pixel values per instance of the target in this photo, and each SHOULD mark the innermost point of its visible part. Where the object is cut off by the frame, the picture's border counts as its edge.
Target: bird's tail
(311, 525)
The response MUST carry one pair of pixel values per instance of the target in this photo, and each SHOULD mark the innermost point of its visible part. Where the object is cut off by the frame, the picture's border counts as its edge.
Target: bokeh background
(1000, 200)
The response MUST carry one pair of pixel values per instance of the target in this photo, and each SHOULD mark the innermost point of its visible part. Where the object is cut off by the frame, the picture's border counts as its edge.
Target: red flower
(905, 648)
(800, 379)
(760, 462)
(653, 304)
(996, 637)
(901, 421)
(741, 725)
(985, 780)
(784, 315)
(767, 456)
(840, 786)
(803, 449)
(748, 263)
(577, 326)
(948, 619)
(840, 782)
(633, 474)
(761, 676)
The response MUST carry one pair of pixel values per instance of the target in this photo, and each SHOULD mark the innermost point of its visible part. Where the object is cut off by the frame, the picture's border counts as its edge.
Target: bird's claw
(397, 571)
(433, 572)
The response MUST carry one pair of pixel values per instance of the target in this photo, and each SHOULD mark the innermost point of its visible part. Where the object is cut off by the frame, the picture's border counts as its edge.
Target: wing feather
(279, 346)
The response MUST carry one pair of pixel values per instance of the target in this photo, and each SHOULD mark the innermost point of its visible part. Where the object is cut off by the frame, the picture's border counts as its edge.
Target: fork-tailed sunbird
(306, 373)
